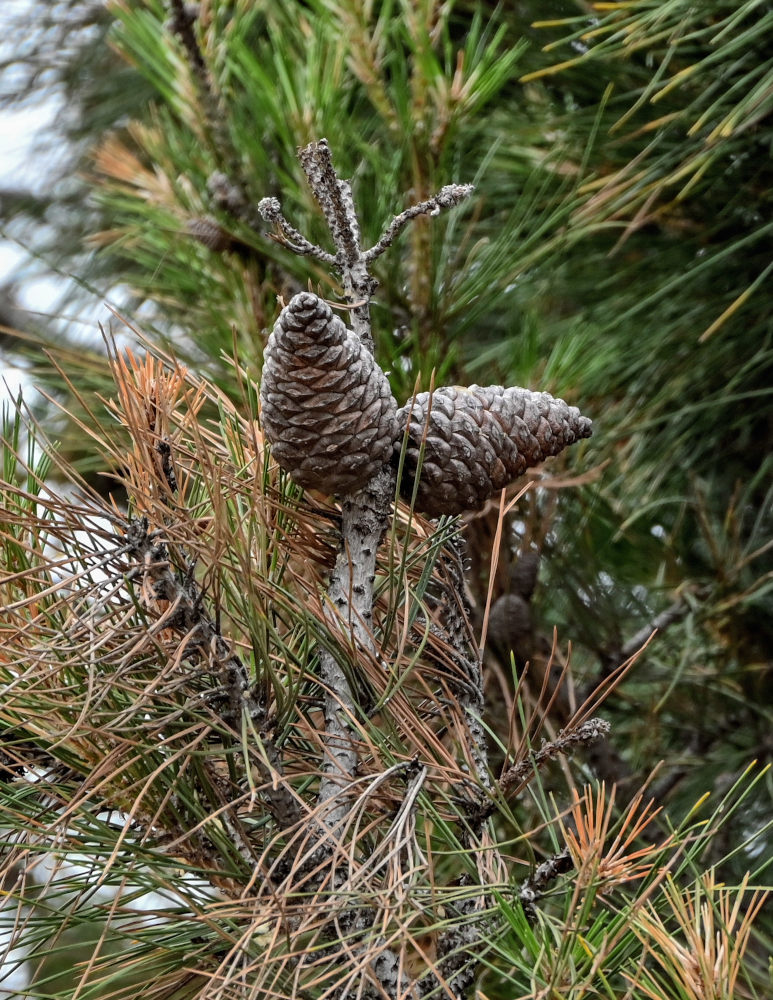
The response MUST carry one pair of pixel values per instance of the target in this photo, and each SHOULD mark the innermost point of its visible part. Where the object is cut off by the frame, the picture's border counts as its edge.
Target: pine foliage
(179, 814)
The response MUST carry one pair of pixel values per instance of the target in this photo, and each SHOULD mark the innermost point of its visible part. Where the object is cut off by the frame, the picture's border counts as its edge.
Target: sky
(23, 165)
(18, 166)
(18, 131)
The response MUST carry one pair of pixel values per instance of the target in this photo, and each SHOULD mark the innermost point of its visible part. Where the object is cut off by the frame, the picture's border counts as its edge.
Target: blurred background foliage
(617, 251)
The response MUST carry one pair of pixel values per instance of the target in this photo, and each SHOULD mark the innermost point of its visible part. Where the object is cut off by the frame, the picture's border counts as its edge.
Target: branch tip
(515, 778)
(270, 209)
(453, 194)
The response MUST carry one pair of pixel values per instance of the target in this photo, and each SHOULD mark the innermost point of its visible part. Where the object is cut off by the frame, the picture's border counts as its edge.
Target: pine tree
(175, 695)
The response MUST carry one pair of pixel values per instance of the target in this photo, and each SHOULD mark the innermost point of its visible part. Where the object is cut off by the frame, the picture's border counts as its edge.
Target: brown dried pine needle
(599, 862)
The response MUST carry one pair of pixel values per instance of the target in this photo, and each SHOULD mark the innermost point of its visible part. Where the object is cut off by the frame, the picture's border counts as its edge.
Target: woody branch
(365, 512)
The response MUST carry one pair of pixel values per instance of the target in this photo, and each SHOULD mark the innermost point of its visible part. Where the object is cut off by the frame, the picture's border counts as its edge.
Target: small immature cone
(327, 408)
(479, 440)
(510, 628)
(208, 231)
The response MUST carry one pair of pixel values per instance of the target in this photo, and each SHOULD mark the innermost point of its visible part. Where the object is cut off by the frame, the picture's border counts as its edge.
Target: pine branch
(188, 617)
(514, 779)
(533, 887)
(460, 945)
(365, 517)
(228, 190)
(182, 18)
(365, 512)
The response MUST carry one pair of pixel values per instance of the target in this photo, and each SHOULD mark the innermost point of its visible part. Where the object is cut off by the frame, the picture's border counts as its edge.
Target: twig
(514, 779)
(533, 887)
(335, 199)
(456, 948)
(271, 211)
(447, 197)
(469, 694)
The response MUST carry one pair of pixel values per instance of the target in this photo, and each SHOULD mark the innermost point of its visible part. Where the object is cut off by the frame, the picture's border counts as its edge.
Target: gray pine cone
(327, 408)
(478, 440)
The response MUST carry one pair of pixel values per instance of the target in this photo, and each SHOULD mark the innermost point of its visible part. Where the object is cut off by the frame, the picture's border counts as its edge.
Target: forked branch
(366, 507)
(306, 330)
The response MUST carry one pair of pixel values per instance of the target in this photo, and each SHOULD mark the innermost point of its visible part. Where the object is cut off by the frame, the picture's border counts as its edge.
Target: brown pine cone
(327, 408)
(479, 440)
(510, 628)
(208, 231)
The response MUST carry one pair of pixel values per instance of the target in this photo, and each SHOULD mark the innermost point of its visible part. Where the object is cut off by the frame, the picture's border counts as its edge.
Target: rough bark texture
(327, 408)
(363, 521)
(467, 443)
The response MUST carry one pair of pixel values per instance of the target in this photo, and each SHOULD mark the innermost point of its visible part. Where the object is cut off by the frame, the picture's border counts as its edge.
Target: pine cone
(208, 231)
(327, 409)
(510, 628)
(479, 440)
(524, 572)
